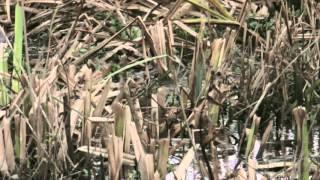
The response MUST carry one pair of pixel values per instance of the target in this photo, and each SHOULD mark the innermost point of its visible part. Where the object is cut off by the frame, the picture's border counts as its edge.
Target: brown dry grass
(84, 100)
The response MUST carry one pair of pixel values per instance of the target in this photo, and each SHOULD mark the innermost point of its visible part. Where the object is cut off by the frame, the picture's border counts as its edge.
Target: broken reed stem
(185, 121)
(301, 118)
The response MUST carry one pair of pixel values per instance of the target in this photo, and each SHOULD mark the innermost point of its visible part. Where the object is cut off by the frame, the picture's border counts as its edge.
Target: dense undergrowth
(115, 88)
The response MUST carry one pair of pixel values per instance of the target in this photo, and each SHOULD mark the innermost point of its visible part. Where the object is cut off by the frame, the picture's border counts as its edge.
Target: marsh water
(280, 148)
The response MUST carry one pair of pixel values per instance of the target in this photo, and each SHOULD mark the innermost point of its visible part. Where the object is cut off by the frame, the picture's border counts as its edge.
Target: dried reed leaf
(146, 167)
(139, 114)
(23, 140)
(271, 165)
(100, 119)
(127, 135)
(137, 146)
(299, 115)
(214, 21)
(252, 166)
(159, 42)
(180, 172)
(3, 162)
(186, 28)
(9, 150)
(120, 120)
(86, 133)
(63, 150)
(181, 11)
(163, 157)
(102, 101)
(145, 161)
(265, 138)
(7, 9)
(77, 107)
(87, 104)
(42, 1)
(216, 53)
(52, 114)
(115, 155)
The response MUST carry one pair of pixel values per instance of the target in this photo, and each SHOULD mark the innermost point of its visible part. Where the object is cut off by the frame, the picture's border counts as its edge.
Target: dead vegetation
(115, 88)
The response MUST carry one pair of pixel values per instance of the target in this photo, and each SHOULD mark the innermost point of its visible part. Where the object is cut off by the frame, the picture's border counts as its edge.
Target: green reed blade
(17, 50)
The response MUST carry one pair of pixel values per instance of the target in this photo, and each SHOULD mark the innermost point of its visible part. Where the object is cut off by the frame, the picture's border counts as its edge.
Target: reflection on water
(279, 148)
(315, 141)
(227, 165)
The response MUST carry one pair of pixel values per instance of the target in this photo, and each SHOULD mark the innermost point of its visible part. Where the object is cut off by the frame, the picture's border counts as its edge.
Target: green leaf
(251, 138)
(4, 56)
(17, 50)
(129, 66)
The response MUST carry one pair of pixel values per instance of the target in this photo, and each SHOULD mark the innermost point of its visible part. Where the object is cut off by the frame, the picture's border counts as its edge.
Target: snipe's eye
(218, 73)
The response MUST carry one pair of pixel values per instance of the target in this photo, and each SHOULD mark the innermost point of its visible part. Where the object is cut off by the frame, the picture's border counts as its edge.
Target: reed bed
(114, 89)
